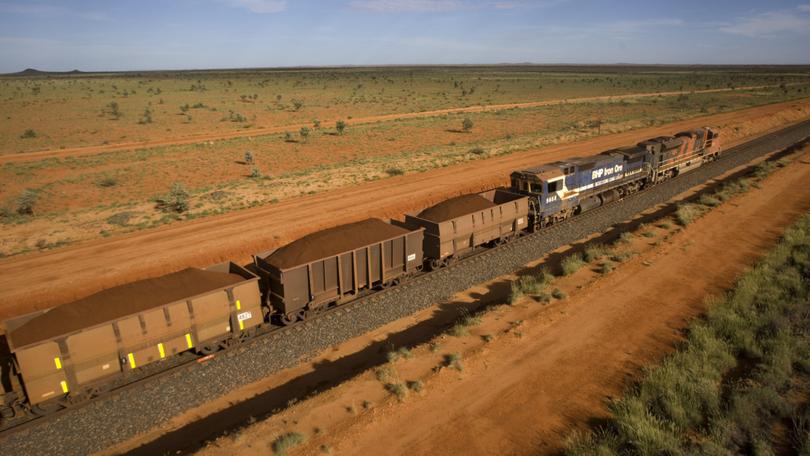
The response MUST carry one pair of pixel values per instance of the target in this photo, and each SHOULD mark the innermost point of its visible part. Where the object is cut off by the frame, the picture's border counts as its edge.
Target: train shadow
(331, 373)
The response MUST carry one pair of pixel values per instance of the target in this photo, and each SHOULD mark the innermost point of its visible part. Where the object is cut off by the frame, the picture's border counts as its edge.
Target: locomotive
(71, 353)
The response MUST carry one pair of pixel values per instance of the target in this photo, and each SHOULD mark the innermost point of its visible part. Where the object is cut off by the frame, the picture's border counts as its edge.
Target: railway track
(156, 397)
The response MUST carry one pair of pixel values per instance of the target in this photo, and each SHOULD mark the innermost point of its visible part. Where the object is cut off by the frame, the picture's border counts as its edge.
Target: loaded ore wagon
(335, 265)
(76, 348)
(461, 224)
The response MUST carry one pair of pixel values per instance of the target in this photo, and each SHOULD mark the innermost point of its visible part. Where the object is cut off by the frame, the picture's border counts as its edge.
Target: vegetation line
(739, 383)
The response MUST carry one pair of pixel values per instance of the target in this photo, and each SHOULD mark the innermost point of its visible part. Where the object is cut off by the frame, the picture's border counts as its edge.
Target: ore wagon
(460, 224)
(76, 348)
(336, 265)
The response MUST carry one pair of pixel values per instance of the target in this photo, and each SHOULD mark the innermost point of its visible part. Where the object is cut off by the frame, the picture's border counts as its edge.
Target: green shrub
(394, 172)
(687, 213)
(176, 200)
(26, 202)
(286, 442)
(709, 200)
(477, 151)
(415, 385)
(28, 133)
(606, 267)
(340, 126)
(397, 389)
(558, 294)
(571, 264)
(467, 124)
(120, 219)
(462, 325)
(453, 360)
(594, 252)
(515, 293)
(626, 237)
(107, 181)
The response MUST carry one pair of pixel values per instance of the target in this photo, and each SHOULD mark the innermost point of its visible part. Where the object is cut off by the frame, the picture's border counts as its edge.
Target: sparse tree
(466, 124)
(146, 118)
(255, 173)
(340, 126)
(176, 200)
(298, 104)
(304, 133)
(249, 157)
(26, 201)
(316, 124)
(113, 110)
(288, 137)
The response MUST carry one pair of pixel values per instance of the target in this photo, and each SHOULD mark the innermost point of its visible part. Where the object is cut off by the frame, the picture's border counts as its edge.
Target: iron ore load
(459, 225)
(75, 351)
(331, 266)
(75, 347)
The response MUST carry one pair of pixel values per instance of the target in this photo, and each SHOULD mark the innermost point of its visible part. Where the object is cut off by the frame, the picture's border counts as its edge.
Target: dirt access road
(526, 394)
(90, 150)
(40, 280)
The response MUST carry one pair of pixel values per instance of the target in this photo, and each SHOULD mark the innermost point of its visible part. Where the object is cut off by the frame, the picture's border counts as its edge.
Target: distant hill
(35, 72)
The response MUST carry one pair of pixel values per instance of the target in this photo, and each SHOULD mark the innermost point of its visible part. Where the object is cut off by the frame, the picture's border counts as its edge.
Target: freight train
(76, 351)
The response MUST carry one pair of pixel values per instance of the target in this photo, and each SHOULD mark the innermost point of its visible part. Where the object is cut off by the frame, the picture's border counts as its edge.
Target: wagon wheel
(209, 349)
(9, 412)
(45, 408)
(435, 264)
(288, 319)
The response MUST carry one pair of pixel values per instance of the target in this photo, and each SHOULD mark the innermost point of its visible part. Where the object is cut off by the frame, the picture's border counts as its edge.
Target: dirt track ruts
(90, 150)
(123, 415)
(43, 279)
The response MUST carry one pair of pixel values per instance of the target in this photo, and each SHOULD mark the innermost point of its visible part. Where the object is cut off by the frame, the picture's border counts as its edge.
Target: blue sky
(183, 34)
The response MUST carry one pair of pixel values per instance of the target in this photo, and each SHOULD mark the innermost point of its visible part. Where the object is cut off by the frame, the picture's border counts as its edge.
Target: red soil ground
(40, 280)
(525, 394)
(89, 150)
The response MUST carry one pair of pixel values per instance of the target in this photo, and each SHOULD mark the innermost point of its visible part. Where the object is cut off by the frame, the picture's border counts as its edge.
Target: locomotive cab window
(553, 186)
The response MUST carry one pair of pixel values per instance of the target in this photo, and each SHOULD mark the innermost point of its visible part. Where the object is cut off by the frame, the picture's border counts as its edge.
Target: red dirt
(526, 394)
(40, 280)
(89, 150)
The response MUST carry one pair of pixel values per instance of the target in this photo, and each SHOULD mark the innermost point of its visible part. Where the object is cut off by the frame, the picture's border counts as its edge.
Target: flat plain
(91, 156)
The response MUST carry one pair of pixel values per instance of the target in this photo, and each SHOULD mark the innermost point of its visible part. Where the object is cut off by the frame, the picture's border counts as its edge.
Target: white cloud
(259, 6)
(412, 6)
(771, 23)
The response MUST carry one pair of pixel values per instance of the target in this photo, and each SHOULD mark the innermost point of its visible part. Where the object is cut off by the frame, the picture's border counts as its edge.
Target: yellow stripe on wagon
(241, 325)
(161, 350)
(58, 363)
(131, 357)
(238, 305)
(64, 386)
(188, 340)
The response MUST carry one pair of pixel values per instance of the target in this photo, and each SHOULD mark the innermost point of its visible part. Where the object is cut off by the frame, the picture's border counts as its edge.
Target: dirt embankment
(545, 370)
(90, 150)
(40, 280)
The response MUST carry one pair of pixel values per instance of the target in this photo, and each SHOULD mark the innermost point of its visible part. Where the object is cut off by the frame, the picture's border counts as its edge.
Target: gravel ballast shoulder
(124, 414)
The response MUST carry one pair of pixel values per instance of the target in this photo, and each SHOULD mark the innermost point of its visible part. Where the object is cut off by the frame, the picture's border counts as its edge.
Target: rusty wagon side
(77, 348)
(444, 240)
(335, 265)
